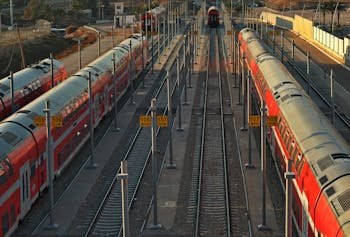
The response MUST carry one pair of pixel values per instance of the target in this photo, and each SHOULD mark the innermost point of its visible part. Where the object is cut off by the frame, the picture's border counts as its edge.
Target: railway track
(212, 207)
(137, 154)
(217, 207)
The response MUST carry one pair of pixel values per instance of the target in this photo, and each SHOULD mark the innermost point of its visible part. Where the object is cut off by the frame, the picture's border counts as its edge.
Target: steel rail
(217, 183)
(238, 146)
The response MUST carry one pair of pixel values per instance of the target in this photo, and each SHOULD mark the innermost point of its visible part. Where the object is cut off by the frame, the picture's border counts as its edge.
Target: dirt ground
(33, 50)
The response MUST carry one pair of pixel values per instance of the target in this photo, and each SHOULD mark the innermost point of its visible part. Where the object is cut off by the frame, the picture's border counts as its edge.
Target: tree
(79, 4)
(323, 7)
(330, 7)
(37, 9)
(341, 8)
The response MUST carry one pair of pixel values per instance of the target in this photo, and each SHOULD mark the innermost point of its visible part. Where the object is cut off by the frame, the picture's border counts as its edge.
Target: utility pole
(11, 12)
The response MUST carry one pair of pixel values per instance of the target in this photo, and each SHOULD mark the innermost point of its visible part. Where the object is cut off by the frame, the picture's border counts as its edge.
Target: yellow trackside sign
(145, 121)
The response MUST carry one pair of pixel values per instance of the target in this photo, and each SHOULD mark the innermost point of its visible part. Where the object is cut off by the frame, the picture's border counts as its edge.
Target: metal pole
(52, 225)
(52, 72)
(308, 72)
(79, 54)
(293, 54)
(238, 74)
(11, 12)
(189, 68)
(92, 165)
(155, 224)
(12, 93)
(244, 128)
(273, 38)
(185, 71)
(152, 44)
(99, 44)
(249, 111)
(112, 35)
(178, 91)
(124, 188)
(168, 29)
(289, 176)
(233, 59)
(332, 97)
(163, 35)
(170, 116)
(263, 164)
(158, 42)
(261, 28)
(116, 129)
(132, 102)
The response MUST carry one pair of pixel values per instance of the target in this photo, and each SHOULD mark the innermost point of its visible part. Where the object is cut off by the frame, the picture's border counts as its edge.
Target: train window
(291, 147)
(13, 214)
(10, 138)
(4, 87)
(3, 177)
(289, 139)
(32, 170)
(297, 160)
(294, 156)
(285, 136)
(9, 166)
(300, 167)
(5, 223)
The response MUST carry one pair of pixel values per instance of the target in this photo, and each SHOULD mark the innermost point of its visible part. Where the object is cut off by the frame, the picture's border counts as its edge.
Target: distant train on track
(152, 17)
(320, 155)
(28, 84)
(213, 16)
(23, 151)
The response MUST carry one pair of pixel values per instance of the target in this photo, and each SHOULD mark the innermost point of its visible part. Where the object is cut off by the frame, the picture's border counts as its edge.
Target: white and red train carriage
(28, 84)
(152, 18)
(23, 151)
(320, 155)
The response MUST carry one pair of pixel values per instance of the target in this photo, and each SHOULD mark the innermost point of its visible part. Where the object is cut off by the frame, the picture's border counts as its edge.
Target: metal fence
(24, 33)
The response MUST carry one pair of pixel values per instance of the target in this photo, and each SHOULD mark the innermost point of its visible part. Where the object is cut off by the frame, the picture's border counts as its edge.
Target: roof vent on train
(31, 115)
(10, 138)
(4, 87)
(325, 162)
(251, 39)
(263, 57)
(336, 156)
(246, 30)
(287, 97)
(42, 67)
(342, 203)
(97, 70)
(280, 85)
(330, 191)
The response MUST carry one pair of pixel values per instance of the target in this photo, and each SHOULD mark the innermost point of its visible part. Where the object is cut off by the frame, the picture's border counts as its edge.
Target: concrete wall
(284, 22)
(338, 48)
(303, 27)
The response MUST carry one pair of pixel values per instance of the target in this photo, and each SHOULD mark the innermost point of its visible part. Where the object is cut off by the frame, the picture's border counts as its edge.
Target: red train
(28, 84)
(213, 16)
(154, 16)
(320, 155)
(23, 156)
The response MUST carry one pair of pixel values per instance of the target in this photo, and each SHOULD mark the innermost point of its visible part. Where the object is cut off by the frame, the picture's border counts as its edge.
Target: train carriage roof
(213, 8)
(27, 75)
(157, 11)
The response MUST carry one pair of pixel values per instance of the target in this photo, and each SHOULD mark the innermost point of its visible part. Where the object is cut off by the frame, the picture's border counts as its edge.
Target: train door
(95, 107)
(106, 98)
(25, 188)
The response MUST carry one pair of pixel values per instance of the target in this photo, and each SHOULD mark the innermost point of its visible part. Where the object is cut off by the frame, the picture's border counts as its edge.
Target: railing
(25, 33)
